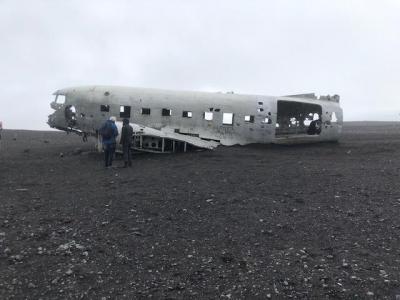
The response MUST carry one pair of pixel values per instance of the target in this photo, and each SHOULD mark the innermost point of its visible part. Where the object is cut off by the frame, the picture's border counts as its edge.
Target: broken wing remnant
(149, 138)
(170, 121)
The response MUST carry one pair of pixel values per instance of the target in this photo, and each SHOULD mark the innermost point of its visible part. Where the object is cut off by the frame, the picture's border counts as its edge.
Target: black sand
(311, 221)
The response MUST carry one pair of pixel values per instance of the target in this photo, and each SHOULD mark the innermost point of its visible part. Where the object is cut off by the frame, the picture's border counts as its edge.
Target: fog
(350, 48)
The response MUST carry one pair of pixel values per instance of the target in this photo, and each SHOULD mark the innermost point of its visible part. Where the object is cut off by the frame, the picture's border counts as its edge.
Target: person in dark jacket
(315, 127)
(109, 132)
(126, 142)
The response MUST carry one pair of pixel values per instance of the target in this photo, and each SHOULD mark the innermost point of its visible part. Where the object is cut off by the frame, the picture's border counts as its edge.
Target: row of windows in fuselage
(227, 118)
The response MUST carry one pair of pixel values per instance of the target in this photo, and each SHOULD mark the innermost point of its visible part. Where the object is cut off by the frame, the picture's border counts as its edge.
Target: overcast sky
(345, 47)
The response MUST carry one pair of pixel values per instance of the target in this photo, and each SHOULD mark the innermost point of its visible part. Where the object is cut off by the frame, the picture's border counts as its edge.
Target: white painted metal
(198, 129)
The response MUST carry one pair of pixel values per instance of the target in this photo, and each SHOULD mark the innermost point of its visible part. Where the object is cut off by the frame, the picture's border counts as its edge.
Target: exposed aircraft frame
(170, 121)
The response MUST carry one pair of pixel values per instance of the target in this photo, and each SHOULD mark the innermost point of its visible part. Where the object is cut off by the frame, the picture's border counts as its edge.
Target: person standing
(109, 132)
(315, 127)
(126, 142)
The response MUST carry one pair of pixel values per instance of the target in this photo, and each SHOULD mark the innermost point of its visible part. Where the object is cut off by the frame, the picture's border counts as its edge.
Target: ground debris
(70, 245)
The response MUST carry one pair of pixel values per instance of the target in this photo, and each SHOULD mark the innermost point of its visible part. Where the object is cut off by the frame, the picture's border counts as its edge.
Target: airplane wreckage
(172, 121)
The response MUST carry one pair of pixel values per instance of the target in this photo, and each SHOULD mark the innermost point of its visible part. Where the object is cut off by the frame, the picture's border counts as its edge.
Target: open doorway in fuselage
(70, 115)
(298, 118)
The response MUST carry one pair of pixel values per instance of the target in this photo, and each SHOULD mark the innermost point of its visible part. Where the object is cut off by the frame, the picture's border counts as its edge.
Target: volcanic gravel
(314, 221)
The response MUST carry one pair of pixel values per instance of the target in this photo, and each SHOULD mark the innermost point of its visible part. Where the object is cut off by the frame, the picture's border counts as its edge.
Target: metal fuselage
(225, 119)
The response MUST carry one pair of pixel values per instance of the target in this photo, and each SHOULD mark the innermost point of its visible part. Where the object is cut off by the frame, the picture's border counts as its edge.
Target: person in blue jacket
(109, 132)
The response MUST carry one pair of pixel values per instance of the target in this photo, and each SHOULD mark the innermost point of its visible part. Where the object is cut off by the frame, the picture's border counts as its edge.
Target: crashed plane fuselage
(166, 121)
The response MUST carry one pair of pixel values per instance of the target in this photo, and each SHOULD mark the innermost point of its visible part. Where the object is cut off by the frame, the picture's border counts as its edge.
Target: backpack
(107, 131)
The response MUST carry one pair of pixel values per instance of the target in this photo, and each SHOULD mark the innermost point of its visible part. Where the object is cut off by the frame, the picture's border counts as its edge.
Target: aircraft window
(125, 111)
(249, 119)
(166, 112)
(208, 116)
(187, 114)
(217, 109)
(70, 115)
(267, 121)
(60, 99)
(260, 103)
(145, 111)
(227, 119)
(333, 118)
(107, 93)
(104, 107)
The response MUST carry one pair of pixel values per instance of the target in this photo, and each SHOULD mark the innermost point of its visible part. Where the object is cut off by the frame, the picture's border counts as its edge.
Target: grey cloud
(264, 47)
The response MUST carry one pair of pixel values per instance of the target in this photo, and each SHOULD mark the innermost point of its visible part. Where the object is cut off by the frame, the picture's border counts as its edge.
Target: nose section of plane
(51, 120)
(57, 118)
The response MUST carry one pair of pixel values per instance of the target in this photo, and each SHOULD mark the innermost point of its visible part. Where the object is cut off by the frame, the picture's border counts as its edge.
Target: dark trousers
(109, 150)
(127, 154)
